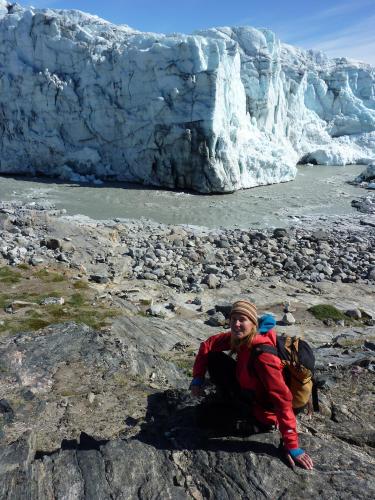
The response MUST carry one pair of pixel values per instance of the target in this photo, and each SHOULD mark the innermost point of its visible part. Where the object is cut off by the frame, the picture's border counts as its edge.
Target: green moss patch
(23, 266)
(9, 275)
(31, 285)
(185, 364)
(183, 361)
(81, 285)
(49, 276)
(325, 312)
(77, 299)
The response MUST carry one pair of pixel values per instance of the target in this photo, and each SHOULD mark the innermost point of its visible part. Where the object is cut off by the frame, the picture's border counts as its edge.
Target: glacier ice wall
(220, 110)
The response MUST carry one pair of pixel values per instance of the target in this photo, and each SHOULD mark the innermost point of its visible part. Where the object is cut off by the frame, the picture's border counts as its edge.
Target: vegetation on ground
(326, 311)
(30, 286)
(183, 361)
(49, 276)
(9, 275)
(185, 364)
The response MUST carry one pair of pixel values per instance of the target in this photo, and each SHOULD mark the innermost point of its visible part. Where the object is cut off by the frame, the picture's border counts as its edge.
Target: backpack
(298, 360)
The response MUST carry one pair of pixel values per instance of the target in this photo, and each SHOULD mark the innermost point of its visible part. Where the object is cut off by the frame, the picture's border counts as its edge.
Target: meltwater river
(317, 190)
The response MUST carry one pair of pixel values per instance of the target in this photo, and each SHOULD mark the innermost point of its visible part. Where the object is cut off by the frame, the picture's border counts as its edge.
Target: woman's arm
(269, 370)
(216, 343)
(220, 342)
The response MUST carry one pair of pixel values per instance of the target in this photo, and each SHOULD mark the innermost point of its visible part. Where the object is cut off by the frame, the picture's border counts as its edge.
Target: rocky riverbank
(186, 258)
(104, 412)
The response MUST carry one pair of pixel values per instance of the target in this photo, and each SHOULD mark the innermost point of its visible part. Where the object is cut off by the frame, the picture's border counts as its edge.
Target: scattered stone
(288, 319)
(100, 279)
(212, 281)
(19, 304)
(51, 244)
(6, 411)
(52, 300)
(224, 308)
(280, 233)
(353, 313)
(367, 175)
(146, 301)
(320, 235)
(149, 276)
(35, 261)
(67, 246)
(176, 282)
(303, 253)
(217, 319)
(365, 204)
(158, 311)
(91, 397)
(288, 307)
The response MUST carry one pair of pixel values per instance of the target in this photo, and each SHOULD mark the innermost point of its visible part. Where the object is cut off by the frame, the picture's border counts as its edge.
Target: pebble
(91, 397)
(353, 313)
(157, 311)
(52, 300)
(288, 319)
(217, 319)
(96, 278)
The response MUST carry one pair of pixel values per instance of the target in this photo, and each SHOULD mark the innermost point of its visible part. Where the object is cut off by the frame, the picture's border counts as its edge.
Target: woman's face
(240, 326)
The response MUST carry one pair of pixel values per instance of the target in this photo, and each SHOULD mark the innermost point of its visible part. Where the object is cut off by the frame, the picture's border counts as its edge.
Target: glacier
(216, 111)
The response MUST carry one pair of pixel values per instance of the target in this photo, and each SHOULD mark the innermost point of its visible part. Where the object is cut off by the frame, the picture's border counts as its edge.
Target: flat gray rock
(97, 415)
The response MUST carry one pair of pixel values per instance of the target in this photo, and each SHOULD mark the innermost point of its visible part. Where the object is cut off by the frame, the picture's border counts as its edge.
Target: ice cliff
(220, 110)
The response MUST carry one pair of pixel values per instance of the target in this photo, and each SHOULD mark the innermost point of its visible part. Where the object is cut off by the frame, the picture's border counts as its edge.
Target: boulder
(288, 319)
(212, 281)
(109, 412)
(353, 313)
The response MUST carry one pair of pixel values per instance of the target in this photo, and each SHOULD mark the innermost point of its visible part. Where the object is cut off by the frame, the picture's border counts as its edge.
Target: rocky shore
(104, 412)
(187, 258)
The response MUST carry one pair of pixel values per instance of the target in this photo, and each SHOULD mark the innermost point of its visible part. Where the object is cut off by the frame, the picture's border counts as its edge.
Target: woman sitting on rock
(254, 383)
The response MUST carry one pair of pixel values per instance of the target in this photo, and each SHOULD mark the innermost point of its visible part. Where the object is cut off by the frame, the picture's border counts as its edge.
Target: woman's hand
(303, 460)
(196, 387)
(197, 391)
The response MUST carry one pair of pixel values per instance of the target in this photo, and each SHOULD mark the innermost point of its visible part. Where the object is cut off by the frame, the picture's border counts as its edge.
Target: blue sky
(338, 27)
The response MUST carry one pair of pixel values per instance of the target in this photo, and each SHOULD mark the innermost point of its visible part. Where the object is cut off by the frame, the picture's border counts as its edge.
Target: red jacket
(266, 380)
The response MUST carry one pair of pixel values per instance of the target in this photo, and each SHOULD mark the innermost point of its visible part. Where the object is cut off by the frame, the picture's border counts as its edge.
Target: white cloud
(356, 40)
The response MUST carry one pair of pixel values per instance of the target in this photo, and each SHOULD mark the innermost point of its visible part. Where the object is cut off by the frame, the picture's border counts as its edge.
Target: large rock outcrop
(220, 110)
(99, 415)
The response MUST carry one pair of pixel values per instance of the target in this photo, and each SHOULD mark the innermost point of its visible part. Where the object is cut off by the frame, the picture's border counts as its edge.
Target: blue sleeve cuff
(295, 452)
(197, 381)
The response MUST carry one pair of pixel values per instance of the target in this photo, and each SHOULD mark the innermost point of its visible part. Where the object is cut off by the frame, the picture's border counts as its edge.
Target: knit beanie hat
(246, 308)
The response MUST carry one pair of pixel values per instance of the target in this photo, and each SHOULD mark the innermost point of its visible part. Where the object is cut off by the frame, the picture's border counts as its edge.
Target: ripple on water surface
(317, 190)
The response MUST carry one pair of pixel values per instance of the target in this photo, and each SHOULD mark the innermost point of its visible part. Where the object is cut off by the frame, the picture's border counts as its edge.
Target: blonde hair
(236, 344)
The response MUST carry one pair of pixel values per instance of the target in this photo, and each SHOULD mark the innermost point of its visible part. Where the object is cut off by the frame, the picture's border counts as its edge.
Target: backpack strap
(259, 349)
(315, 397)
(255, 352)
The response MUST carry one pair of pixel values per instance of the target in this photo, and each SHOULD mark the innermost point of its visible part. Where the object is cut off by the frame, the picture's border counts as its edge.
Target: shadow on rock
(83, 443)
(171, 424)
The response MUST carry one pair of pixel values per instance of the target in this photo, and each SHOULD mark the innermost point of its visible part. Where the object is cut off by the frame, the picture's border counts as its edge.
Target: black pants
(231, 404)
